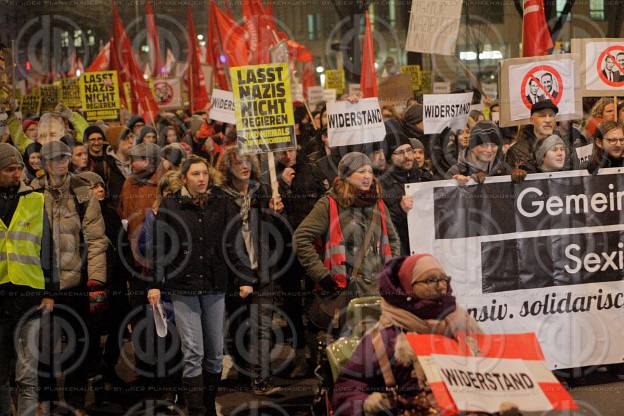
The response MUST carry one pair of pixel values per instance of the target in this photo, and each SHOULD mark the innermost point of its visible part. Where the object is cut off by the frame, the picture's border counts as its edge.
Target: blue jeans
(199, 320)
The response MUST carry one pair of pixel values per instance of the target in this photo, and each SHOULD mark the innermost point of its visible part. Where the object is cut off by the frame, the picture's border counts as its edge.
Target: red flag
(232, 38)
(198, 96)
(228, 9)
(536, 40)
(152, 40)
(368, 76)
(102, 59)
(122, 60)
(213, 54)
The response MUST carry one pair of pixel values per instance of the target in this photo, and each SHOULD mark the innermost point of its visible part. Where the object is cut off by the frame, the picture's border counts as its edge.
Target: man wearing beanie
(345, 214)
(416, 297)
(413, 124)
(551, 154)
(24, 284)
(78, 228)
(482, 157)
(402, 170)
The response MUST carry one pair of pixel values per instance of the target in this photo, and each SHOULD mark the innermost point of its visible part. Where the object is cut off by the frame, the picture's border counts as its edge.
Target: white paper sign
(537, 81)
(441, 88)
(357, 123)
(584, 153)
(315, 95)
(479, 384)
(604, 66)
(445, 110)
(434, 26)
(329, 95)
(222, 106)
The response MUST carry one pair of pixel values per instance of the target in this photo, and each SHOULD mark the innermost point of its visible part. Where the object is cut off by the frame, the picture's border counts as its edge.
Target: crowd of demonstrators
(169, 211)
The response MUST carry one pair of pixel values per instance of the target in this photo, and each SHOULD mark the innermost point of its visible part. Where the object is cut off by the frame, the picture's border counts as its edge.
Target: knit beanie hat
(483, 132)
(9, 155)
(90, 130)
(28, 122)
(417, 144)
(351, 162)
(173, 153)
(395, 137)
(414, 267)
(54, 149)
(547, 144)
(414, 114)
(144, 131)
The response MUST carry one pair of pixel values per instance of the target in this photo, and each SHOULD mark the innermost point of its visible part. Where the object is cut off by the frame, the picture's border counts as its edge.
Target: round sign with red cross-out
(542, 82)
(610, 66)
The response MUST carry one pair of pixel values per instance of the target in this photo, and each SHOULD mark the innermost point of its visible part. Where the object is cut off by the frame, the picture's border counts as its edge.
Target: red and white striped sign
(479, 372)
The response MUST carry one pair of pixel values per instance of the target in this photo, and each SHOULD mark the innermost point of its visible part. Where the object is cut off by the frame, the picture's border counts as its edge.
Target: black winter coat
(191, 257)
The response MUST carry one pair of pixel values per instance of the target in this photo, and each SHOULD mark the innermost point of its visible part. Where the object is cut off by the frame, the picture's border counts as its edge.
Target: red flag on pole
(198, 96)
(213, 54)
(122, 60)
(232, 38)
(536, 40)
(102, 60)
(368, 76)
(152, 40)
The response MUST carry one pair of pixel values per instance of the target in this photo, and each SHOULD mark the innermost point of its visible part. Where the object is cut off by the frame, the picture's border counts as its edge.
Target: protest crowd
(170, 219)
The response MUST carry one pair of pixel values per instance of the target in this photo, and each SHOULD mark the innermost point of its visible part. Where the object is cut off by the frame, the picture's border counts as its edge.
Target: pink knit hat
(415, 266)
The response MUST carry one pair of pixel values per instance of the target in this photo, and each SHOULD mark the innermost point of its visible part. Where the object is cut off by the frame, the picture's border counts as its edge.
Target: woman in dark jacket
(190, 263)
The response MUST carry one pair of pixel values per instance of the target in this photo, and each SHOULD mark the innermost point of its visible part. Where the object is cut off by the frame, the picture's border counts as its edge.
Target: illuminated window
(596, 9)
(314, 23)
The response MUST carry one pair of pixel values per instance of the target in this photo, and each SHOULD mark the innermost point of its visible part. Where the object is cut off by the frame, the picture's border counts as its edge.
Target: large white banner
(445, 110)
(543, 256)
(354, 123)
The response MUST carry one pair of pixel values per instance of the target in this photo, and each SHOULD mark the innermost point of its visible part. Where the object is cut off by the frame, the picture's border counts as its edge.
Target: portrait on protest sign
(168, 93)
(526, 81)
(602, 62)
(263, 107)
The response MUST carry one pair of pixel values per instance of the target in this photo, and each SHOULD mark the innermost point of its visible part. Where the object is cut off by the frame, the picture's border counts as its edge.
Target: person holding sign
(416, 297)
(483, 157)
(608, 147)
(357, 230)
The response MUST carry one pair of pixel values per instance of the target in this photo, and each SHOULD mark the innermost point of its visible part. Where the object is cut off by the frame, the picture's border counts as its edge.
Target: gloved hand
(97, 296)
(518, 175)
(376, 402)
(62, 109)
(328, 284)
(479, 177)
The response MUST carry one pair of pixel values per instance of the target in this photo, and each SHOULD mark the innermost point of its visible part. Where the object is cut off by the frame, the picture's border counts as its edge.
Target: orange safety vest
(335, 252)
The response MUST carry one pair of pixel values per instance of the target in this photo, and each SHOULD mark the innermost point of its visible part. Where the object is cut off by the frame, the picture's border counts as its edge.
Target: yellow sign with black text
(30, 105)
(50, 94)
(335, 79)
(99, 93)
(414, 72)
(263, 107)
(70, 92)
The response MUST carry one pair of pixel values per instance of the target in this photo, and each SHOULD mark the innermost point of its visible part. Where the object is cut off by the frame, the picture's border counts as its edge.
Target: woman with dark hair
(351, 213)
(32, 161)
(190, 263)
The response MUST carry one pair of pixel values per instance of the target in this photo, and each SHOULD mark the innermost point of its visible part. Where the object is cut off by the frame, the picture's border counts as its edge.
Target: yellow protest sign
(49, 97)
(335, 79)
(30, 105)
(99, 93)
(414, 72)
(263, 108)
(426, 82)
(70, 92)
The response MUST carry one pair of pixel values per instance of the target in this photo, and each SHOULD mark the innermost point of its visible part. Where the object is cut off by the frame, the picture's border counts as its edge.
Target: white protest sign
(329, 95)
(356, 123)
(222, 106)
(442, 87)
(603, 64)
(536, 81)
(445, 110)
(433, 26)
(584, 153)
(315, 95)
(479, 384)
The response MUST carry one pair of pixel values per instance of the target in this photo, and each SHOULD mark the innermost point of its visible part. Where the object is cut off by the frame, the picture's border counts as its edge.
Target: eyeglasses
(435, 280)
(403, 152)
(615, 140)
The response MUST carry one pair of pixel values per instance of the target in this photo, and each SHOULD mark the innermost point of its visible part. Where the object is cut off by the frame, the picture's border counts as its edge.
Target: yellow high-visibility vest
(20, 244)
